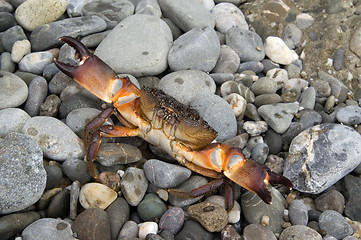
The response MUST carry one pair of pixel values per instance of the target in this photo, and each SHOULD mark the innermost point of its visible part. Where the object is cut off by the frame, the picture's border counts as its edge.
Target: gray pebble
(259, 232)
(217, 113)
(77, 101)
(38, 90)
(172, 220)
(7, 20)
(260, 153)
(35, 62)
(134, 184)
(197, 49)
(292, 36)
(254, 66)
(220, 78)
(23, 177)
(264, 85)
(187, 14)
(334, 224)
(350, 115)
(6, 64)
(273, 141)
(165, 175)
(304, 20)
(13, 90)
(193, 230)
(59, 205)
(53, 176)
(12, 35)
(12, 120)
(309, 118)
(56, 139)
(308, 98)
(338, 89)
(76, 170)
(333, 6)
(294, 129)
(74, 196)
(352, 186)
(151, 207)
(298, 213)
(268, 64)
(300, 232)
(59, 82)
(109, 10)
(248, 45)
(47, 36)
(228, 61)
(14, 223)
(129, 230)
(330, 200)
(267, 99)
(338, 58)
(93, 40)
(118, 213)
(323, 88)
(255, 128)
(50, 71)
(111, 154)
(150, 7)
(185, 85)
(48, 228)
(293, 70)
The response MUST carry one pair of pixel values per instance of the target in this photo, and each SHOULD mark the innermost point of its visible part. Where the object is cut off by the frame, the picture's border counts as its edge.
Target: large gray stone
(321, 155)
(138, 45)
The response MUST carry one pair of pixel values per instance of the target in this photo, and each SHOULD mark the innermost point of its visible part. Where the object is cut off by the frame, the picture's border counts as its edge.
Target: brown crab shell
(176, 120)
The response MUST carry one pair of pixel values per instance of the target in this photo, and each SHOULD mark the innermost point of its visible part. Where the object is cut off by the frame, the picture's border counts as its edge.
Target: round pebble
(227, 16)
(118, 213)
(13, 90)
(134, 184)
(38, 90)
(151, 207)
(35, 62)
(330, 200)
(12, 120)
(298, 213)
(172, 220)
(20, 49)
(350, 115)
(277, 50)
(48, 228)
(228, 61)
(300, 232)
(96, 195)
(259, 232)
(76, 170)
(334, 224)
(12, 224)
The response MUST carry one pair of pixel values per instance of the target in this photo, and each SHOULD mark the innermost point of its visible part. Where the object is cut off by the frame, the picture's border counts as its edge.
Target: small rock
(13, 90)
(255, 128)
(237, 103)
(150, 7)
(51, 106)
(330, 200)
(118, 213)
(20, 49)
(7, 20)
(151, 207)
(292, 36)
(35, 62)
(260, 152)
(227, 15)
(300, 232)
(234, 215)
(253, 66)
(11, 35)
(5, 62)
(352, 185)
(350, 115)
(212, 216)
(14, 223)
(334, 224)
(193, 230)
(92, 224)
(53, 176)
(338, 58)
(76, 101)
(264, 85)
(74, 196)
(111, 154)
(130, 229)
(257, 232)
(146, 228)
(228, 61)
(59, 205)
(277, 50)
(298, 213)
(308, 98)
(304, 20)
(355, 42)
(172, 220)
(165, 175)
(96, 195)
(230, 233)
(109, 10)
(134, 184)
(76, 170)
(12, 120)
(38, 90)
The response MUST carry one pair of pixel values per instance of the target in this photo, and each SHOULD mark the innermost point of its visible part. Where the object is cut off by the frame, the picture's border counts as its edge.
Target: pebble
(330, 200)
(151, 207)
(255, 128)
(350, 115)
(144, 39)
(20, 49)
(276, 50)
(76, 101)
(59, 205)
(234, 215)
(150, 7)
(304, 20)
(237, 103)
(258, 232)
(217, 113)
(12, 120)
(34, 13)
(260, 152)
(228, 61)
(309, 118)
(35, 62)
(334, 224)
(253, 66)
(267, 99)
(247, 44)
(279, 115)
(292, 36)
(165, 175)
(6, 63)
(228, 15)
(338, 58)
(48, 228)
(187, 14)
(212, 216)
(308, 98)
(47, 35)
(51, 106)
(96, 195)
(355, 42)
(220, 78)
(300, 232)
(23, 177)
(254, 209)
(193, 230)
(352, 208)
(38, 90)
(76, 170)
(192, 183)
(298, 213)
(118, 213)
(278, 75)
(92, 224)
(13, 90)
(74, 196)
(53, 176)
(264, 85)
(110, 11)
(14, 223)
(130, 229)
(111, 154)
(134, 184)
(172, 220)
(146, 228)
(56, 139)
(7, 20)
(187, 84)
(315, 169)
(338, 89)
(190, 50)
(11, 35)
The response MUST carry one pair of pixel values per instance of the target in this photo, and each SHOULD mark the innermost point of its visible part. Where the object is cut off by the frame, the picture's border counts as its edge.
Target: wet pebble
(53, 176)
(298, 213)
(165, 175)
(48, 228)
(38, 90)
(96, 195)
(258, 232)
(277, 50)
(118, 213)
(228, 15)
(189, 50)
(247, 44)
(20, 49)
(334, 224)
(322, 160)
(187, 14)
(23, 177)
(13, 90)
(12, 120)
(134, 184)
(144, 39)
(14, 223)
(187, 84)
(350, 115)
(35, 62)
(151, 207)
(92, 224)
(76, 170)
(59, 205)
(172, 220)
(56, 139)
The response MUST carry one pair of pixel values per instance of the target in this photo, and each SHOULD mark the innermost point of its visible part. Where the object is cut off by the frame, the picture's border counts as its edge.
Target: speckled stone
(300, 232)
(134, 184)
(14, 223)
(13, 90)
(212, 216)
(334, 224)
(172, 220)
(12, 120)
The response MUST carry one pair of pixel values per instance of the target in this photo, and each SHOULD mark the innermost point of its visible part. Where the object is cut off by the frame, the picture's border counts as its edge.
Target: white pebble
(276, 50)
(237, 103)
(227, 16)
(278, 75)
(20, 49)
(147, 227)
(96, 195)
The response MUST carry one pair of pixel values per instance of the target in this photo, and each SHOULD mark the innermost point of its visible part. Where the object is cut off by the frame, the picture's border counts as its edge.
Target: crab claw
(95, 75)
(252, 175)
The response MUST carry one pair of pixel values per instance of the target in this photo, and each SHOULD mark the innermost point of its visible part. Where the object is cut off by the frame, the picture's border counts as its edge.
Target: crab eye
(234, 161)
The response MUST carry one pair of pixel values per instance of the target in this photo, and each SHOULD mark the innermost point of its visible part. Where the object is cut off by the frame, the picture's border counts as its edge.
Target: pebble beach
(279, 79)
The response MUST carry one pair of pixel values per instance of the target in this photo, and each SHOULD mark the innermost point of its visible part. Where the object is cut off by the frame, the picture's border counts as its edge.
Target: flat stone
(142, 40)
(23, 177)
(96, 195)
(35, 62)
(109, 10)
(56, 139)
(13, 90)
(300, 232)
(47, 36)
(350, 115)
(318, 157)
(14, 223)
(48, 228)
(212, 216)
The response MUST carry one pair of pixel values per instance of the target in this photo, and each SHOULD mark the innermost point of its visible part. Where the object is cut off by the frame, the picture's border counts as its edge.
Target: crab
(164, 122)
